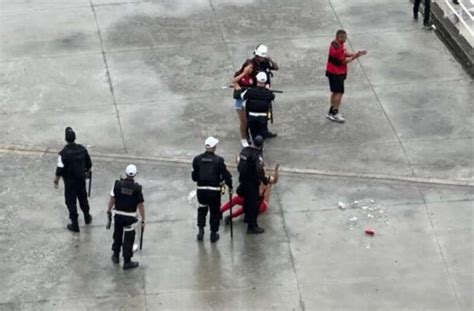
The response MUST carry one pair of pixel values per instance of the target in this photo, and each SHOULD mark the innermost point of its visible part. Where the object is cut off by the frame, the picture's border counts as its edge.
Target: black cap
(258, 141)
(70, 136)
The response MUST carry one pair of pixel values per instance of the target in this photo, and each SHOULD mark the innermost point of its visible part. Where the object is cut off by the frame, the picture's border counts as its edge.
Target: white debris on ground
(363, 213)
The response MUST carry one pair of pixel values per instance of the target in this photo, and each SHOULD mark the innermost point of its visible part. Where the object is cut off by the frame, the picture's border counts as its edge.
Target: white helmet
(131, 170)
(261, 50)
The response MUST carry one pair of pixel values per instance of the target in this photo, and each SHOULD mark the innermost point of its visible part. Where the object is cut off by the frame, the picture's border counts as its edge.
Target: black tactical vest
(128, 194)
(209, 174)
(74, 159)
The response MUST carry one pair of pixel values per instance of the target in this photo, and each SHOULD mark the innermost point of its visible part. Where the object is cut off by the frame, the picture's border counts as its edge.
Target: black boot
(115, 258)
(88, 218)
(200, 234)
(269, 134)
(128, 264)
(74, 227)
(214, 237)
(255, 230)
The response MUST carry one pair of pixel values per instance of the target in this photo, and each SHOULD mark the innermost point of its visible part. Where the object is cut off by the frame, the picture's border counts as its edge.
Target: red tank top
(246, 81)
(337, 54)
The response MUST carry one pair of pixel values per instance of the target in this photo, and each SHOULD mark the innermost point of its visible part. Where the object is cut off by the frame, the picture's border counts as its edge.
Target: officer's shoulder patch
(335, 44)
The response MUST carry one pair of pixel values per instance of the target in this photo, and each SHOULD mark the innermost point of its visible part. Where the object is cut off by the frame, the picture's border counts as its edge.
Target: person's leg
(426, 18)
(237, 212)
(252, 124)
(262, 207)
(84, 202)
(70, 196)
(416, 8)
(201, 213)
(251, 210)
(118, 238)
(262, 127)
(332, 101)
(243, 123)
(128, 240)
(215, 214)
(236, 200)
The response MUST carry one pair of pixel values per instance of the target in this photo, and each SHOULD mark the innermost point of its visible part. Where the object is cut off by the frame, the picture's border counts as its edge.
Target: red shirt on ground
(337, 54)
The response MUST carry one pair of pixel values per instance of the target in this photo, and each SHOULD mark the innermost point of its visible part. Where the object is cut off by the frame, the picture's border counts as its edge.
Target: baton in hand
(231, 87)
(90, 183)
(231, 227)
(141, 235)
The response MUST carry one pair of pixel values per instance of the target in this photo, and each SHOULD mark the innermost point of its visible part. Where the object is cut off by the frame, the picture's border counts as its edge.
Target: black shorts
(336, 82)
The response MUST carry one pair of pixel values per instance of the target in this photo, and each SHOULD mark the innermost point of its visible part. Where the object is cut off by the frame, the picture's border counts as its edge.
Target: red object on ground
(369, 231)
(238, 200)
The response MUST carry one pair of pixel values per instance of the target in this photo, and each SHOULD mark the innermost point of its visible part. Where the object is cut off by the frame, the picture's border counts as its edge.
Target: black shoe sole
(130, 267)
(70, 228)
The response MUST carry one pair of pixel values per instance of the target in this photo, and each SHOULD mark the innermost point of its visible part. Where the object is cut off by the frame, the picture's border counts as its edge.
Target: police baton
(231, 87)
(141, 235)
(90, 184)
(230, 204)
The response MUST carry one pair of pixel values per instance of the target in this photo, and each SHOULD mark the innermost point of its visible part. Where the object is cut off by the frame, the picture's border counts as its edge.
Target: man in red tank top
(336, 71)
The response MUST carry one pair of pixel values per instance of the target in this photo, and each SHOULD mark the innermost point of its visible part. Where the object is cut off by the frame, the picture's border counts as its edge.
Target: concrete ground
(140, 81)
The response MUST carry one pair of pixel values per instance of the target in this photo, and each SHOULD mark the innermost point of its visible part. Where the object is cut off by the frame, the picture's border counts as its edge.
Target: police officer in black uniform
(74, 165)
(258, 102)
(251, 175)
(127, 197)
(209, 170)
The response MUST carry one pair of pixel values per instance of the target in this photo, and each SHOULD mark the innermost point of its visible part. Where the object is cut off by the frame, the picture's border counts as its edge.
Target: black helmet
(70, 136)
(258, 141)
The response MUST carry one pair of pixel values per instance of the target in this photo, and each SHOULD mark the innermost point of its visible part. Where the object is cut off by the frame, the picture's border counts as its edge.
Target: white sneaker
(336, 117)
(244, 142)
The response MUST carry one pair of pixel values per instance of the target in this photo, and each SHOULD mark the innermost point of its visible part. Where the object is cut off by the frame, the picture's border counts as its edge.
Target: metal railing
(464, 15)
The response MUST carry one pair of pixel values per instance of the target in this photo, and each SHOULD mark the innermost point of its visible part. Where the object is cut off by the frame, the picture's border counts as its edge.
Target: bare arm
(141, 209)
(111, 204)
(353, 56)
(236, 79)
(274, 64)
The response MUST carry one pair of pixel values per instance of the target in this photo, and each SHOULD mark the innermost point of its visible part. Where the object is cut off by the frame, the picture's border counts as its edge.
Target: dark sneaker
(270, 135)
(214, 237)
(428, 26)
(88, 218)
(255, 230)
(200, 235)
(73, 228)
(227, 220)
(130, 265)
(115, 258)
